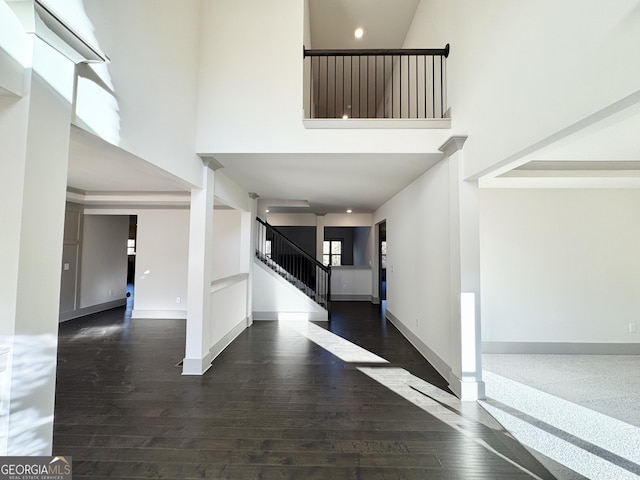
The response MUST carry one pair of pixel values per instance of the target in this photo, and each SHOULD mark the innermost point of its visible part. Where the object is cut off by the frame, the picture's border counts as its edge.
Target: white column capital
(211, 162)
(453, 144)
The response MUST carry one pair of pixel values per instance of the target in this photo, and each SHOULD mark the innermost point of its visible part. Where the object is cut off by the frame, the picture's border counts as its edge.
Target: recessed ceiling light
(359, 33)
(267, 210)
(345, 116)
(349, 211)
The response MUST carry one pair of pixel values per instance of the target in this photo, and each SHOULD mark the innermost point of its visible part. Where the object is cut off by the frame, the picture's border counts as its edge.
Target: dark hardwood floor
(274, 405)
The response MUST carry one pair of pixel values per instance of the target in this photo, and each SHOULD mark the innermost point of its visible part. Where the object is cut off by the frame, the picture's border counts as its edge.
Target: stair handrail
(318, 264)
(364, 52)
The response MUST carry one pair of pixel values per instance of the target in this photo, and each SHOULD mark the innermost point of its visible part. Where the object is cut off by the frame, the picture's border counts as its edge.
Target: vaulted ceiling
(330, 183)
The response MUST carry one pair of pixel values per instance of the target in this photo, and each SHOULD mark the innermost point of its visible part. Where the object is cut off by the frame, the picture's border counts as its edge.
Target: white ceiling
(604, 146)
(385, 22)
(331, 183)
(98, 166)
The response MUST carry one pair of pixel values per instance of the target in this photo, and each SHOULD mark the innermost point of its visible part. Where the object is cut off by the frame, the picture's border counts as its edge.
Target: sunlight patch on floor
(433, 400)
(587, 442)
(338, 346)
(442, 405)
(101, 331)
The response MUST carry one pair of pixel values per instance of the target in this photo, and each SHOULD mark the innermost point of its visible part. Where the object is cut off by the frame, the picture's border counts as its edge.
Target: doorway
(131, 257)
(382, 264)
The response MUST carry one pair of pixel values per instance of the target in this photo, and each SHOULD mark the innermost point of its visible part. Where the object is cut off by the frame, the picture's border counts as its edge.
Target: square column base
(467, 390)
(196, 366)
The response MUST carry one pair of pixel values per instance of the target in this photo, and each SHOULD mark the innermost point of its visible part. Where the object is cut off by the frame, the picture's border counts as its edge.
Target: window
(332, 252)
(131, 246)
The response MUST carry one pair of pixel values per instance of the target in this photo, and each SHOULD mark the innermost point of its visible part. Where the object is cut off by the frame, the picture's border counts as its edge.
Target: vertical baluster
(433, 84)
(441, 91)
(424, 61)
(351, 83)
(400, 83)
(317, 105)
(359, 87)
(417, 99)
(335, 86)
(375, 86)
(343, 107)
(326, 98)
(384, 86)
(310, 86)
(408, 87)
(392, 90)
(367, 90)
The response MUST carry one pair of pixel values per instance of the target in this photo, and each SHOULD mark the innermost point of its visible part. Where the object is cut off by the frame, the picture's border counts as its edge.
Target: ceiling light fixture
(345, 116)
(267, 210)
(359, 33)
(349, 211)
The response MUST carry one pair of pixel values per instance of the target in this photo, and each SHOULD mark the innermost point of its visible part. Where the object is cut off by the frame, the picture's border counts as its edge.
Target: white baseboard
(82, 312)
(199, 366)
(160, 314)
(437, 363)
(469, 390)
(196, 366)
(304, 316)
(225, 341)
(560, 348)
(350, 297)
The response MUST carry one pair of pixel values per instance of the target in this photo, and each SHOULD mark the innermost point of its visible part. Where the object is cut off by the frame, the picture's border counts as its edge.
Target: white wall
(347, 220)
(162, 251)
(418, 261)
(153, 47)
(292, 219)
(228, 312)
(273, 295)
(226, 243)
(12, 52)
(560, 265)
(103, 266)
(521, 71)
(256, 105)
(351, 283)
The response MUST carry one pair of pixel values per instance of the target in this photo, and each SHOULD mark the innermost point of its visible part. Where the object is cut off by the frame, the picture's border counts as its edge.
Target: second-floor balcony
(376, 88)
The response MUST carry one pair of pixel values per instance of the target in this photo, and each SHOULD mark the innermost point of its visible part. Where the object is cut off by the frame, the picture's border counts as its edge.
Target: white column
(319, 235)
(34, 134)
(466, 367)
(198, 342)
(248, 249)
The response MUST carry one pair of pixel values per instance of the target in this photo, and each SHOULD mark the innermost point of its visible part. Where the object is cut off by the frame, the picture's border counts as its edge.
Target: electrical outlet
(66, 266)
(178, 300)
(633, 328)
(110, 292)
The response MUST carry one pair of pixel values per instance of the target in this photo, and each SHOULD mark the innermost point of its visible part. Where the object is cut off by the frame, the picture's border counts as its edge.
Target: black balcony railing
(399, 83)
(293, 264)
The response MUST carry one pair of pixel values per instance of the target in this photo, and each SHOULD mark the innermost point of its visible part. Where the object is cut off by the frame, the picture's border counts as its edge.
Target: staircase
(293, 264)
